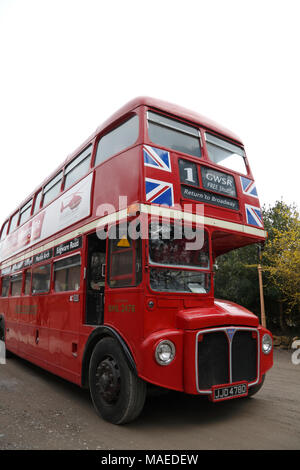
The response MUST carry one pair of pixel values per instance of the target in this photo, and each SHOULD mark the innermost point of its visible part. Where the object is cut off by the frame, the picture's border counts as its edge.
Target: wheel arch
(94, 338)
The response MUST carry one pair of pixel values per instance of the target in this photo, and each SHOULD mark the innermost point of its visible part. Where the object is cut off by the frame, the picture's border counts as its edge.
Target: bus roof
(169, 108)
(159, 105)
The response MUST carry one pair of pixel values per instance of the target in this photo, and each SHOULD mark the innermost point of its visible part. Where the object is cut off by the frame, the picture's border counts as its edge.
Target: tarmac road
(41, 411)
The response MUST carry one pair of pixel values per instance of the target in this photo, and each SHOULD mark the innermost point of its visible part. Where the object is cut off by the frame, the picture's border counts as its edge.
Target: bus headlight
(266, 344)
(165, 352)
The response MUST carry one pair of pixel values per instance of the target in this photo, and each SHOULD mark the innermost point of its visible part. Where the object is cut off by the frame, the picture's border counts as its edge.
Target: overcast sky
(67, 65)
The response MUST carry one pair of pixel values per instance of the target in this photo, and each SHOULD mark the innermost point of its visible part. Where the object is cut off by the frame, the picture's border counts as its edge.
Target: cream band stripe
(145, 209)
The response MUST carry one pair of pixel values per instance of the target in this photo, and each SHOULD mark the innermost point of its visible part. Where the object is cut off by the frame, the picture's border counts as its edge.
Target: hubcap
(108, 380)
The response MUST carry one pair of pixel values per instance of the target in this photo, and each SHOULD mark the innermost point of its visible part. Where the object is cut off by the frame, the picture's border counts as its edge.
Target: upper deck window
(25, 212)
(13, 222)
(52, 189)
(37, 202)
(173, 134)
(226, 154)
(117, 140)
(78, 167)
(4, 230)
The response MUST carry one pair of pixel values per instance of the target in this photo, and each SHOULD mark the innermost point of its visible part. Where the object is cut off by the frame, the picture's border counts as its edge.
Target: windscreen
(170, 250)
(173, 134)
(226, 154)
(169, 246)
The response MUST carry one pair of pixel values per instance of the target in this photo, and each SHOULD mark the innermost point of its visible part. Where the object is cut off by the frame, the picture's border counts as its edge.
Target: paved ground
(41, 411)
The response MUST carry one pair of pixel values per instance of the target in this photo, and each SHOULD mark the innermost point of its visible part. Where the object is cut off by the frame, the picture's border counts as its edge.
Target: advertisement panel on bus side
(71, 207)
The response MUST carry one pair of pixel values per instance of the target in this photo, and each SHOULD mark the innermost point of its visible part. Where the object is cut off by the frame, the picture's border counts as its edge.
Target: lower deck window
(67, 274)
(41, 279)
(27, 282)
(16, 285)
(5, 287)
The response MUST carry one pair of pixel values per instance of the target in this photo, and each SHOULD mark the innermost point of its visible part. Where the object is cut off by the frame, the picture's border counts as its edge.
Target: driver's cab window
(125, 257)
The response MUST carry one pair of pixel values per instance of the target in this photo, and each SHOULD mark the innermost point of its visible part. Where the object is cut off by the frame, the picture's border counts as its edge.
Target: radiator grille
(222, 360)
(213, 360)
(244, 356)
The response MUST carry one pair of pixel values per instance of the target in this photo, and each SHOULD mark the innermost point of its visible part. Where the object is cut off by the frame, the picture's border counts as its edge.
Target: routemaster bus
(107, 268)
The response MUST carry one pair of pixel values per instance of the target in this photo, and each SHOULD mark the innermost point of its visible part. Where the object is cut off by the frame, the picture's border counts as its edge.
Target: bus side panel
(124, 312)
(64, 319)
(12, 332)
(33, 324)
(22, 324)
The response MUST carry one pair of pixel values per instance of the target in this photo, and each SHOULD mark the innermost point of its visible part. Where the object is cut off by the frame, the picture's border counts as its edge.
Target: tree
(281, 257)
(237, 279)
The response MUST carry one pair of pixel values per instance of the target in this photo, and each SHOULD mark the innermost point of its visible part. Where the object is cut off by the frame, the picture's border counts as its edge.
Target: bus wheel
(117, 393)
(253, 390)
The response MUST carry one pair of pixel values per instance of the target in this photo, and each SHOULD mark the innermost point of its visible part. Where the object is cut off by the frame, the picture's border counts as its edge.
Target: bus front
(200, 202)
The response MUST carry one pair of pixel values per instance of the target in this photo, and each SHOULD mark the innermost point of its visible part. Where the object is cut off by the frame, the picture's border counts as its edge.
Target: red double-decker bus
(107, 267)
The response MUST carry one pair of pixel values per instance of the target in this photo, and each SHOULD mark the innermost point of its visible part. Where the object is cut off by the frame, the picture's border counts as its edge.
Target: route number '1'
(189, 175)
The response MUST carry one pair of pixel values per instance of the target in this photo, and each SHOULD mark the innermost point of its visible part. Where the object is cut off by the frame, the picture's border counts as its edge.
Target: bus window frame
(17, 213)
(111, 128)
(42, 204)
(7, 276)
(15, 275)
(20, 212)
(35, 210)
(186, 123)
(63, 257)
(24, 282)
(152, 263)
(208, 271)
(48, 263)
(134, 273)
(232, 142)
(92, 146)
(208, 274)
(5, 224)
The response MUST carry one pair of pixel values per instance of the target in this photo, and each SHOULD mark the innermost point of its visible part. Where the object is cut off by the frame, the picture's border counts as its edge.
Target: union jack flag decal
(159, 192)
(248, 187)
(254, 216)
(156, 158)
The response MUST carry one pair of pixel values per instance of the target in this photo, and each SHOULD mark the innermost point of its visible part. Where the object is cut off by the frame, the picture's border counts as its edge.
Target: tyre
(253, 390)
(117, 393)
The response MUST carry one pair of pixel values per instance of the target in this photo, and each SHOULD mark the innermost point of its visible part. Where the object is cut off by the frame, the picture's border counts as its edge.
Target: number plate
(226, 392)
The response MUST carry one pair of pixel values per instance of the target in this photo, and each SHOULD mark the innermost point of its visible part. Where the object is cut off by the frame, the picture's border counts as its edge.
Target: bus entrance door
(95, 281)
